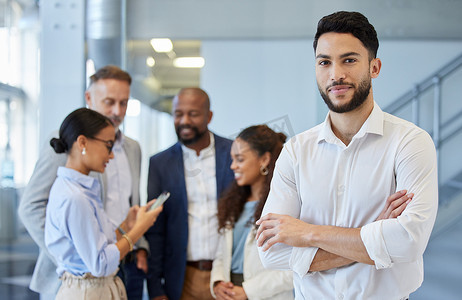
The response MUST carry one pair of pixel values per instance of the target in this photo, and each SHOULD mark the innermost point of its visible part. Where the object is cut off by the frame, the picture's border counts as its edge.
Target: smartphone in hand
(160, 200)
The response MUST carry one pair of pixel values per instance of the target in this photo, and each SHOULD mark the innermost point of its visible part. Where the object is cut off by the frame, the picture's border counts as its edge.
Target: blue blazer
(168, 238)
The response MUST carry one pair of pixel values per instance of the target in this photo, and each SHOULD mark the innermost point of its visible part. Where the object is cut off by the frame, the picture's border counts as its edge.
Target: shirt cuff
(372, 237)
(113, 258)
(301, 259)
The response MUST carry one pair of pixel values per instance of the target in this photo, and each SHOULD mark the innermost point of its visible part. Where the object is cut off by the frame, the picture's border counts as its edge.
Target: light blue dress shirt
(240, 232)
(78, 232)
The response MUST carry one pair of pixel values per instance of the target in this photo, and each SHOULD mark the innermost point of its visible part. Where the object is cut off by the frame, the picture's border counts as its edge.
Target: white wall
(405, 63)
(155, 132)
(253, 82)
(256, 81)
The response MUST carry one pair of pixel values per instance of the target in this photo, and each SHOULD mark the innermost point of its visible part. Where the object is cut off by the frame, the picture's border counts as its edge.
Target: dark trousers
(132, 277)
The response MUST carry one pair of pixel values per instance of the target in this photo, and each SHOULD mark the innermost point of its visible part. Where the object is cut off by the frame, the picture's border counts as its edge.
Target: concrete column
(62, 62)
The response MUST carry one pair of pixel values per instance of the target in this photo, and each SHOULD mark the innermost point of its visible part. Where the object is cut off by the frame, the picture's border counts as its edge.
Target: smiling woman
(88, 253)
(237, 270)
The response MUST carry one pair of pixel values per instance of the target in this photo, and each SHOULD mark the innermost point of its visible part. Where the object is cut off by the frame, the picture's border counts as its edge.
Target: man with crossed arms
(330, 183)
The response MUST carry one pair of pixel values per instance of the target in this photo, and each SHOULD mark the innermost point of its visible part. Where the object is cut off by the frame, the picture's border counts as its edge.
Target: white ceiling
(217, 19)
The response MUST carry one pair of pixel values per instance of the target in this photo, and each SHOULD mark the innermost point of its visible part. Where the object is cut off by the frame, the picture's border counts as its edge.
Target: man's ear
(210, 117)
(88, 98)
(375, 66)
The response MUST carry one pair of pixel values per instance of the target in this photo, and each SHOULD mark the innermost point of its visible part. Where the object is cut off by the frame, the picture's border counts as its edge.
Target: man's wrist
(121, 230)
(216, 283)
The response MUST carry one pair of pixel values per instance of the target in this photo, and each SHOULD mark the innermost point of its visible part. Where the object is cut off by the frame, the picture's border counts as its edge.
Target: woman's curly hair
(261, 139)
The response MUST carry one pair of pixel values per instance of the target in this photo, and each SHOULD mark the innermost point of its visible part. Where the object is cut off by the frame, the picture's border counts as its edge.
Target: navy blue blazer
(168, 238)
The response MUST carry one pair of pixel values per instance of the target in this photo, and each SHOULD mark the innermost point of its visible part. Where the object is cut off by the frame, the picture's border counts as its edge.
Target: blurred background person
(78, 233)
(237, 272)
(108, 94)
(195, 171)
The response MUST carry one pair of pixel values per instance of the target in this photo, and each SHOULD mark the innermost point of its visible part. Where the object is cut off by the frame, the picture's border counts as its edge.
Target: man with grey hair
(108, 94)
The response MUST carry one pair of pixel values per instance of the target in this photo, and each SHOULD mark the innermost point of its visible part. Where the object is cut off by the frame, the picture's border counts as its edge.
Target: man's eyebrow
(341, 56)
(350, 54)
(322, 56)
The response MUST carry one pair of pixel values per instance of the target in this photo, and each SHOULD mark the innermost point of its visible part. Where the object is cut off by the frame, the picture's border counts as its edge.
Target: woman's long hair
(261, 139)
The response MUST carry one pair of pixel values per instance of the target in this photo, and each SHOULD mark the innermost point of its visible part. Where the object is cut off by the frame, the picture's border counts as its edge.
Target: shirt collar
(119, 139)
(84, 180)
(373, 124)
(207, 149)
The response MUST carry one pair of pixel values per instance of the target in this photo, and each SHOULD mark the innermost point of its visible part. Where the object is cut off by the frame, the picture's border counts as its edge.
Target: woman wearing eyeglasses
(86, 246)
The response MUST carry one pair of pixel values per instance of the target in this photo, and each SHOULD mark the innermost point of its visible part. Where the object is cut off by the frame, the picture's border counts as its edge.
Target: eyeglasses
(109, 144)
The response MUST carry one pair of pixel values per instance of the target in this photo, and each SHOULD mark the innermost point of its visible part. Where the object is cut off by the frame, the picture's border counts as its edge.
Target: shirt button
(340, 296)
(341, 188)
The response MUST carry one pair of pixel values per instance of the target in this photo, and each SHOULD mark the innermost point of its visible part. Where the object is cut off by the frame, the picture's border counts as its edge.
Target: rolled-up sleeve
(301, 259)
(405, 238)
(284, 199)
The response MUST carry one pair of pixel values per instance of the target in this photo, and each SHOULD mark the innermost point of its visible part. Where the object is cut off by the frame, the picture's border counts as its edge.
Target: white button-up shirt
(119, 184)
(201, 187)
(321, 181)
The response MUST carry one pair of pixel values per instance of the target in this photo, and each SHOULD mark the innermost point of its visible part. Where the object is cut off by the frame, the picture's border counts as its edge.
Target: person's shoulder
(45, 146)
(133, 144)
(222, 145)
(306, 136)
(164, 154)
(304, 142)
(393, 120)
(47, 164)
(130, 140)
(65, 193)
(222, 140)
(399, 126)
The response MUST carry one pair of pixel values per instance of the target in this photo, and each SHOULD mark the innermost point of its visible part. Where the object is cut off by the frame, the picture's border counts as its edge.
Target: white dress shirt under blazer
(119, 183)
(201, 187)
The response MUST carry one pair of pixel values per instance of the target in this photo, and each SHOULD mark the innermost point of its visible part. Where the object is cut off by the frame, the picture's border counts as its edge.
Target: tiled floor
(17, 261)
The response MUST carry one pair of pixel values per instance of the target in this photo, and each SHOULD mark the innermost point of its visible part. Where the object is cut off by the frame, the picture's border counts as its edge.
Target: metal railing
(441, 132)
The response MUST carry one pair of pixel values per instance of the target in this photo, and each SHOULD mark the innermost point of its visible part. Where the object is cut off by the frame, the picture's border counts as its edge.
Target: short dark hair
(110, 72)
(349, 22)
(82, 121)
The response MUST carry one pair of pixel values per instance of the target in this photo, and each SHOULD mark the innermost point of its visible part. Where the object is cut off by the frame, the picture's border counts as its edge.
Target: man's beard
(116, 120)
(197, 134)
(360, 95)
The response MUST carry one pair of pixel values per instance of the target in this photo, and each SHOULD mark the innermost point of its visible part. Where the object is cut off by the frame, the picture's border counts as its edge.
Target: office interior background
(256, 61)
